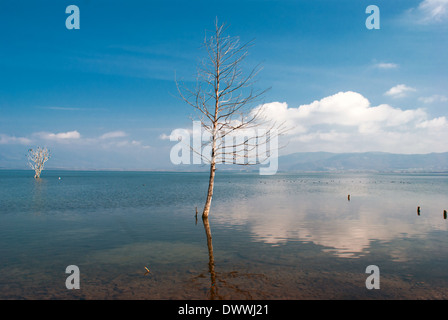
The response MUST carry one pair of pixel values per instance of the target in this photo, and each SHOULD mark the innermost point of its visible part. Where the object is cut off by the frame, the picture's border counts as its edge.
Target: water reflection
(211, 260)
(225, 285)
(320, 213)
(39, 195)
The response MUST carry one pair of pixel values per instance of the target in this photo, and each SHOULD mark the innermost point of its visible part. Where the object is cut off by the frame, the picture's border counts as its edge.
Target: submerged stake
(444, 214)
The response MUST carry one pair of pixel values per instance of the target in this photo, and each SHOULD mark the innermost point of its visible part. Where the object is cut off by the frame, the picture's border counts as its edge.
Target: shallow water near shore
(287, 236)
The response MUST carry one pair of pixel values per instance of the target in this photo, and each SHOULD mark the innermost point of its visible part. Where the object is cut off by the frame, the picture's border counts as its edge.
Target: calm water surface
(288, 236)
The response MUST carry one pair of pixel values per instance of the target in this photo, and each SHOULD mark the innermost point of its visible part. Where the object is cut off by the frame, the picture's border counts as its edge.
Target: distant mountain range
(316, 162)
(368, 161)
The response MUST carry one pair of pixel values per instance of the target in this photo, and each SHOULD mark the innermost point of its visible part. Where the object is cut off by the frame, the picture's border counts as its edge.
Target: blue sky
(104, 96)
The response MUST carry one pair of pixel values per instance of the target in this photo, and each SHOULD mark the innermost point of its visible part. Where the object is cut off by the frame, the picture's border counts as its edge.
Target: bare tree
(37, 159)
(224, 96)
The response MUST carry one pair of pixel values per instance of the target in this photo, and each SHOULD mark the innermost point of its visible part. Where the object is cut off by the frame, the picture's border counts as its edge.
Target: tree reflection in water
(211, 260)
(220, 281)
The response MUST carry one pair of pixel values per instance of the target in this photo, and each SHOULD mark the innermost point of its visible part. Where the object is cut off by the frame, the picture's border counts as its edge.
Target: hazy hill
(303, 161)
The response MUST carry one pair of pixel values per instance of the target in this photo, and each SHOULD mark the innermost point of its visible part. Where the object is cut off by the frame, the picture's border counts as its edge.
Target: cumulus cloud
(347, 122)
(436, 123)
(342, 109)
(399, 91)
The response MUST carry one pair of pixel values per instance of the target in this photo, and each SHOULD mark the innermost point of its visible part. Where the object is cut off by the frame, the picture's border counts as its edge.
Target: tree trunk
(211, 182)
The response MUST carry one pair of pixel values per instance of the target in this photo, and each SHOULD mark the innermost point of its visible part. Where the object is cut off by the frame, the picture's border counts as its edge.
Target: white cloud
(164, 136)
(384, 65)
(399, 91)
(433, 98)
(5, 139)
(436, 123)
(111, 139)
(346, 122)
(342, 109)
(431, 11)
(60, 136)
(114, 134)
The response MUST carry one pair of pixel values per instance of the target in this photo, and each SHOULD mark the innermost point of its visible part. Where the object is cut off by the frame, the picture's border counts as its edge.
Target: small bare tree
(37, 159)
(224, 98)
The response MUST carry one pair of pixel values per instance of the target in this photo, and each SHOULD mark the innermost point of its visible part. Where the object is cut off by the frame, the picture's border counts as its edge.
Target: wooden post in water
(444, 214)
(348, 197)
(418, 210)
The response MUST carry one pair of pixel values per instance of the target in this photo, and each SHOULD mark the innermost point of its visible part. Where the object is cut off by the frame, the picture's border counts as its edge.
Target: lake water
(287, 236)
